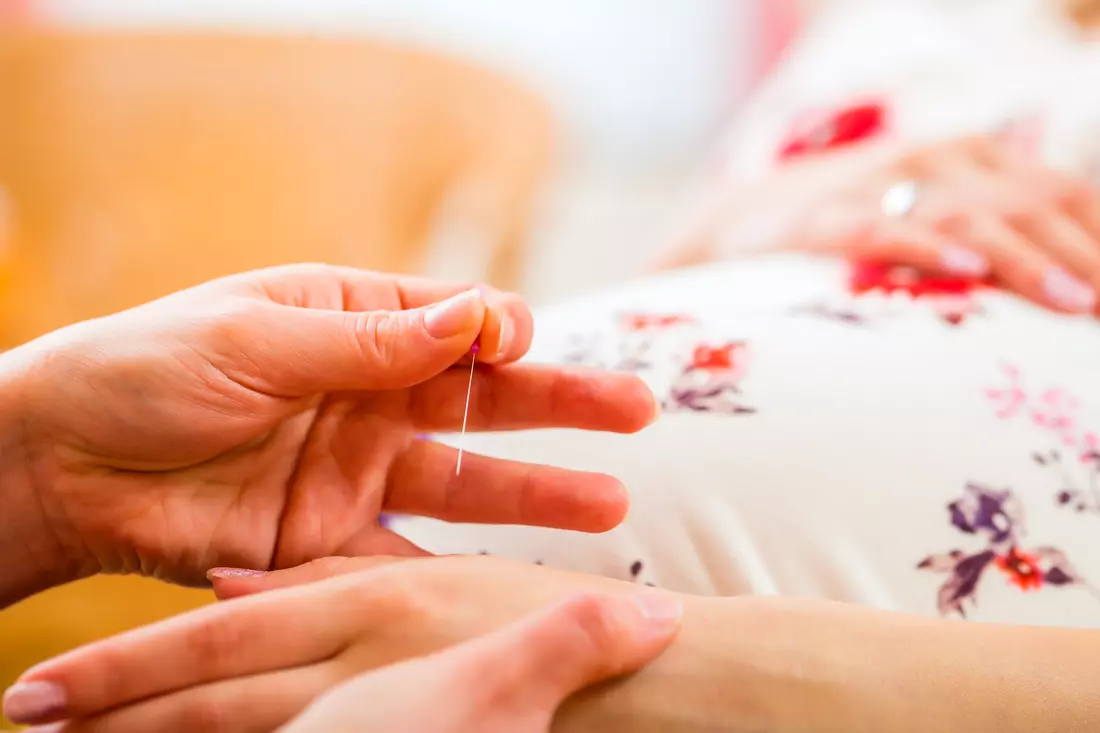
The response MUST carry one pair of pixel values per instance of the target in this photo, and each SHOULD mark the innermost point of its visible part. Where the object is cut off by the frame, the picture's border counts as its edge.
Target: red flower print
(952, 296)
(654, 321)
(1022, 569)
(820, 132)
(717, 358)
(710, 380)
(869, 277)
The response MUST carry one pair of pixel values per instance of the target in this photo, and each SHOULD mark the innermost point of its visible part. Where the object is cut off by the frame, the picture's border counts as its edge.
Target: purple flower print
(997, 517)
(1079, 489)
(709, 380)
(964, 571)
(986, 511)
(636, 569)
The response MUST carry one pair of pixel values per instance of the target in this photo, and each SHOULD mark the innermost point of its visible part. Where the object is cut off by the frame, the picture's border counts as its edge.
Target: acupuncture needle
(466, 412)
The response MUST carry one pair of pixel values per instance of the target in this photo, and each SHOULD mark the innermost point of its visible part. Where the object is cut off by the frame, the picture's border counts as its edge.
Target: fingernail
(964, 261)
(234, 573)
(1069, 292)
(49, 728)
(507, 331)
(662, 611)
(30, 702)
(452, 316)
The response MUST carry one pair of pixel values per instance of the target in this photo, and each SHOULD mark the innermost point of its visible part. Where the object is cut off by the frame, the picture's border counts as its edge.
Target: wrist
(31, 557)
(734, 666)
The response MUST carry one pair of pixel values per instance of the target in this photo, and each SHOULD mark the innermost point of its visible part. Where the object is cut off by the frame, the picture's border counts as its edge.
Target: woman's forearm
(735, 666)
(905, 674)
(786, 665)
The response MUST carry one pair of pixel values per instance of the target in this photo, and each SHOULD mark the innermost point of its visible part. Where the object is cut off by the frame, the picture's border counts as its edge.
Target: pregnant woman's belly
(866, 437)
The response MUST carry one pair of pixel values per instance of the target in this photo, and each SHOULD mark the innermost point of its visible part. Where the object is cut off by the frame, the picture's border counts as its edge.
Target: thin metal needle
(466, 412)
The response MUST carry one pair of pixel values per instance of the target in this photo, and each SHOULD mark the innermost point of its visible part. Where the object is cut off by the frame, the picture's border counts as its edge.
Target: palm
(204, 447)
(310, 484)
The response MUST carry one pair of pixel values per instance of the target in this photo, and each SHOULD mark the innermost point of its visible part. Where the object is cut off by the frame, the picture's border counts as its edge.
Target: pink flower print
(1007, 401)
(1090, 452)
(1054, 412)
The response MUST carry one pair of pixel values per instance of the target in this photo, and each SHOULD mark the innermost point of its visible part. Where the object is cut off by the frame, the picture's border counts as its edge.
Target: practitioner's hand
(266, 419)
(253, 663)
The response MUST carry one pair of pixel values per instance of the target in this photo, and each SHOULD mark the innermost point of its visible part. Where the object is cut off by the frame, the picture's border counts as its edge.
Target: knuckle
(882, 237)
(206, 714)
(389, 596)
(1072, 192)
(214, 642)
(913, 162)
(949, 221)
(377, 336)
(1020, 214)
(234, 320)
(595, 626)
(979, 146)
(324, 567)
(1015, 270)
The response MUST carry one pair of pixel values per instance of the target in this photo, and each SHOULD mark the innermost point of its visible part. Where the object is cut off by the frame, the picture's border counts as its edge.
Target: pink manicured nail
(31, 702)
(964, 261)
(234, 573)
(1069, 292)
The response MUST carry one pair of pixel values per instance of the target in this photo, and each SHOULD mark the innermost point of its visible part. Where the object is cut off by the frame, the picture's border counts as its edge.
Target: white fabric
(838, 485)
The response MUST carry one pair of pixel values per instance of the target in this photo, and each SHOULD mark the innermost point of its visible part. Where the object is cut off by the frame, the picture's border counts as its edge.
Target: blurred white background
(640, 89)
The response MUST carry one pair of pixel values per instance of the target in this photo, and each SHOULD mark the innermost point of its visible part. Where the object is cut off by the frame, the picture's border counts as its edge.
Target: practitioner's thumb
(300, 351)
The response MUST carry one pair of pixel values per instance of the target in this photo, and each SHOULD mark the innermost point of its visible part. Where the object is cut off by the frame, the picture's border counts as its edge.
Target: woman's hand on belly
(971, 207)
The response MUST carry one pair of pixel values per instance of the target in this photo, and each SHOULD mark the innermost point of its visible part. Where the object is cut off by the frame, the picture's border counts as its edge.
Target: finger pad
(624, 404)
(594, 503)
